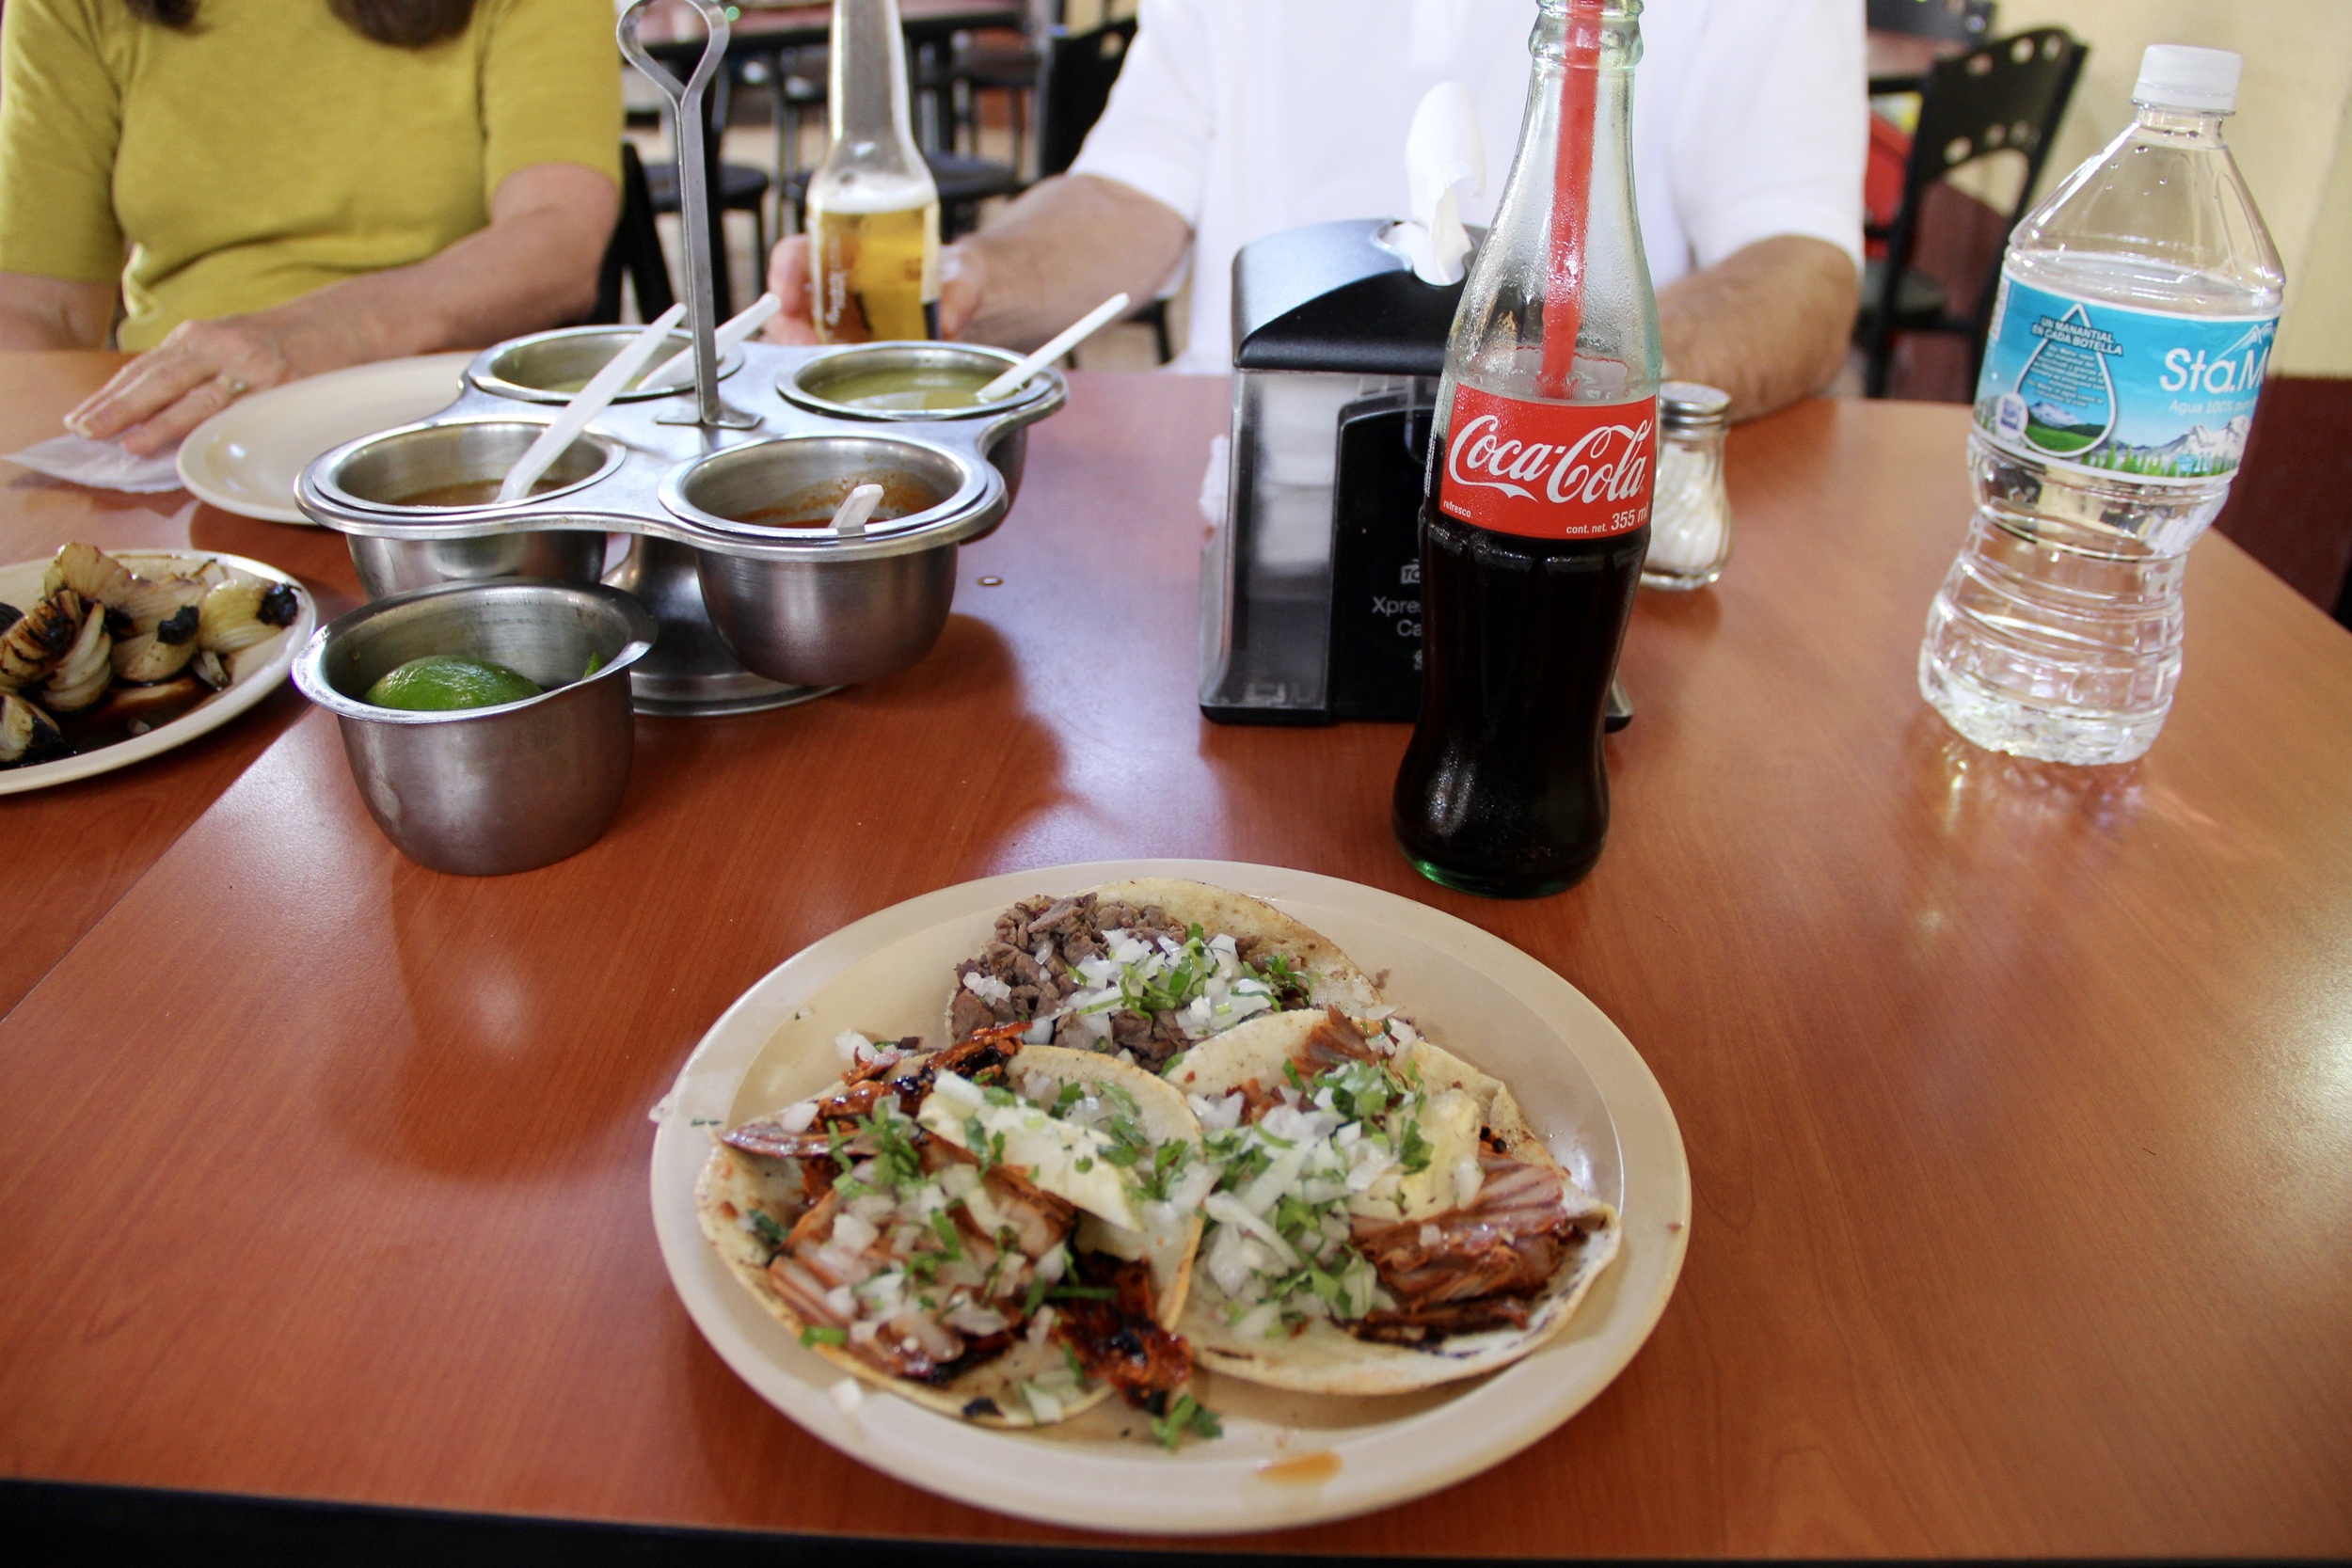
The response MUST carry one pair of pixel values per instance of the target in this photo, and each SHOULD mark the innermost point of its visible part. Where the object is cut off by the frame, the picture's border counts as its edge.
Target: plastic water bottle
(2128, 341)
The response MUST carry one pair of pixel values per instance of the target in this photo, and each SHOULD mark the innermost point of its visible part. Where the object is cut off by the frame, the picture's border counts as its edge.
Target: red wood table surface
(2018, 1099)
(67, 853)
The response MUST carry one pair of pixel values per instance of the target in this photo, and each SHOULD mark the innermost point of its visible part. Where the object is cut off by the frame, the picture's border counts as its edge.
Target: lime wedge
(440, 683)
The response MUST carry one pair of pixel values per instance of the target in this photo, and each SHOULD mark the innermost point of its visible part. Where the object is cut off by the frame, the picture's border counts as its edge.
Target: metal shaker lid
(1688, 405)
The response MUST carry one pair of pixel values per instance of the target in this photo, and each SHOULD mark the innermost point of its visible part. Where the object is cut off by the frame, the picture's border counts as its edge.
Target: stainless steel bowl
(550, 367)
(813, 383)
(383, 474)
(814, 607)
(486, 791)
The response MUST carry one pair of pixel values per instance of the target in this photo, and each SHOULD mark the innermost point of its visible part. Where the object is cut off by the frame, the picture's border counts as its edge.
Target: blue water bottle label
(2108, 388)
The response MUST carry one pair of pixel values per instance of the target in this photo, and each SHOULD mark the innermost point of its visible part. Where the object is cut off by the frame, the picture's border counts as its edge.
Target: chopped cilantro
(1414, 1152)
(1185, 1415)
(1167, 1161)
(824, 1333)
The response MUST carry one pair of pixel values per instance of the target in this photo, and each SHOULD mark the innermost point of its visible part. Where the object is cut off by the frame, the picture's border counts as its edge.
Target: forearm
(531, 270)
(53, 312)
(1065, 245)
(1768, 323)
(534, 265)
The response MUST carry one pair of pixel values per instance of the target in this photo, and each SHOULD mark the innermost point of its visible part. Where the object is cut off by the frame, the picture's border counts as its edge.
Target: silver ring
(230, 385)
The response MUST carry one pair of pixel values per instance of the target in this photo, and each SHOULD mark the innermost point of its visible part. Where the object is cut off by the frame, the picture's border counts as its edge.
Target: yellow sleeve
(60, 117)
(551, 87)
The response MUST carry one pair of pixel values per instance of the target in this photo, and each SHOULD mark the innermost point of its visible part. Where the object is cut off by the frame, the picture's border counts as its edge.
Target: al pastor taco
(1147, 968)
(997, 1232)
(1384, 1219)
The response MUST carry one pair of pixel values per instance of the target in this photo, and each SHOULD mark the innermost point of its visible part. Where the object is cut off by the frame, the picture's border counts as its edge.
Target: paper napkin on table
(1441, 151)
(101, 465)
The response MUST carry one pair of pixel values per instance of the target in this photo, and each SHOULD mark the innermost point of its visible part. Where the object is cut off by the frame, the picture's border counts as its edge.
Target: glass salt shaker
(1689, 524)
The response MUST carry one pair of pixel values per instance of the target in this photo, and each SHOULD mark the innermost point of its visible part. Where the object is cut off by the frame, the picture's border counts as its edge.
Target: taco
(1147, 968)
(993, 1232)
(1384, 1218)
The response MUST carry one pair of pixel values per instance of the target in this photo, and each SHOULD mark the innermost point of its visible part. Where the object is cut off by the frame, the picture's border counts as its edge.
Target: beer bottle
(873, 212)
(1535, 516)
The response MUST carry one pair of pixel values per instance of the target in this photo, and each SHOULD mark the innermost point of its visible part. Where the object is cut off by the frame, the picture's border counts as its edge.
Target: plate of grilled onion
(106, 660)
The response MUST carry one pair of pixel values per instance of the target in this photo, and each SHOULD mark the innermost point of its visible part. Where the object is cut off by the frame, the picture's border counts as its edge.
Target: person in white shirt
(1236, 118)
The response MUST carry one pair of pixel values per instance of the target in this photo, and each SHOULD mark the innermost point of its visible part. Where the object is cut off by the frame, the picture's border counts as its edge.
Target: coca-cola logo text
(1607, 463)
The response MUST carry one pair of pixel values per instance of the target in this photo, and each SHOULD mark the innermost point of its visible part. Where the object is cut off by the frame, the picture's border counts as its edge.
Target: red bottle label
(1549, 470)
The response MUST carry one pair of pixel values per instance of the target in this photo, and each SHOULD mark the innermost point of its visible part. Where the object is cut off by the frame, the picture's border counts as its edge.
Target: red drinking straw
(1571, 198)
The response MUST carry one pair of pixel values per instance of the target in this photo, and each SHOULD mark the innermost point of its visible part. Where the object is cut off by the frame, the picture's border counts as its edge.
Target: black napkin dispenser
(1311, 581)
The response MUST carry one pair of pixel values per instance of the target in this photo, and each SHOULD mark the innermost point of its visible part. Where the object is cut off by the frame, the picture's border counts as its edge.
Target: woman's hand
(534, 265)
(200, 370)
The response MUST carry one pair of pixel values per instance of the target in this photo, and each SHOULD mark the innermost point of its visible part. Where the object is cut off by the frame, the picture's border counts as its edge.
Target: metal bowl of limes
(488, 723)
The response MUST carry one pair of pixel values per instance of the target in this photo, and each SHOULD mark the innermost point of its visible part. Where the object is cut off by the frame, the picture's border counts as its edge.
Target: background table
(2018, 1098)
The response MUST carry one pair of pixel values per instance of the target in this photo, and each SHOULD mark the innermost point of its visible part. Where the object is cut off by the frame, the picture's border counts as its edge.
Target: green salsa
(928, 387)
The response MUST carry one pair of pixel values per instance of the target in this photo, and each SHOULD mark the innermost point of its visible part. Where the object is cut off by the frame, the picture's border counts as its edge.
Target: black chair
(2005, 96)
(977, 65)
(964, 183)
(1074, 88)
(1955, 21)
(635, 251)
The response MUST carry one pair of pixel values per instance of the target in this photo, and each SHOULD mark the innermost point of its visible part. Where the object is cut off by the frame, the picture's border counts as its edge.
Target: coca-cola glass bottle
(1536, 514)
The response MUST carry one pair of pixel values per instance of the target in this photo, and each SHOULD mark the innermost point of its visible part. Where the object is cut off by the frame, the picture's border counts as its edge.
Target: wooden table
(2018, 1098)
(67, 854)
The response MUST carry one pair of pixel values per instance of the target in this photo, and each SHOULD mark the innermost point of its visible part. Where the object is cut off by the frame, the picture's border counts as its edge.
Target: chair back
(1956, 21)
(1072, 89)
(635, 250)
(2005, 96)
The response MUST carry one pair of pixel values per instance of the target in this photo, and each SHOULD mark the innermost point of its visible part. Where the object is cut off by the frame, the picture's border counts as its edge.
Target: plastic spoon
(1063, 342)
(593, 399)
(849, 518)
(736, 329)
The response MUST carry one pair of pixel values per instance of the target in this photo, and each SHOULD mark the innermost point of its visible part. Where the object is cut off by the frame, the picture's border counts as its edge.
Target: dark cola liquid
(1502, 792)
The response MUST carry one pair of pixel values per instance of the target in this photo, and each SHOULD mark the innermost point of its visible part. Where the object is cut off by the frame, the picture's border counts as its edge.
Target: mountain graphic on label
(2068, 395)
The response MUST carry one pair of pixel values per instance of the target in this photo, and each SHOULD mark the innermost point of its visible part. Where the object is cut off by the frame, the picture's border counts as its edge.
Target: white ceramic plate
(245, 458)
(20, 585)
(1285, 1459)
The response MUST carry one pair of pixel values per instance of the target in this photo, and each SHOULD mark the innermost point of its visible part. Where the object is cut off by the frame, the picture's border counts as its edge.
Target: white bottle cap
(2179, 76)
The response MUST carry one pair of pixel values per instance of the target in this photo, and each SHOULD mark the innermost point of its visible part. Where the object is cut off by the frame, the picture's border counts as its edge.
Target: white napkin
(101, 465)
(1441, 151)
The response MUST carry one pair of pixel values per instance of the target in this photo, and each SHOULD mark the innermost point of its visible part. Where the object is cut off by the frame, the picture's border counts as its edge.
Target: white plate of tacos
(1171, 1197)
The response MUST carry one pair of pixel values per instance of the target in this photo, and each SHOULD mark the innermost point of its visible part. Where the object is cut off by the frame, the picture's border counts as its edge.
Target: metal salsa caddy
(754, 611)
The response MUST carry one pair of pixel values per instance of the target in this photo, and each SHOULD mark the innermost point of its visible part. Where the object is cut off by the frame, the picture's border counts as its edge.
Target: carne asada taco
(993, 1231)
(1384, 1218)
(1147, 968)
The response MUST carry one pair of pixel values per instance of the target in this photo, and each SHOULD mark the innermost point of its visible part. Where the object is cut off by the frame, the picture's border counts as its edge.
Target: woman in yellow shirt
(252, 191)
